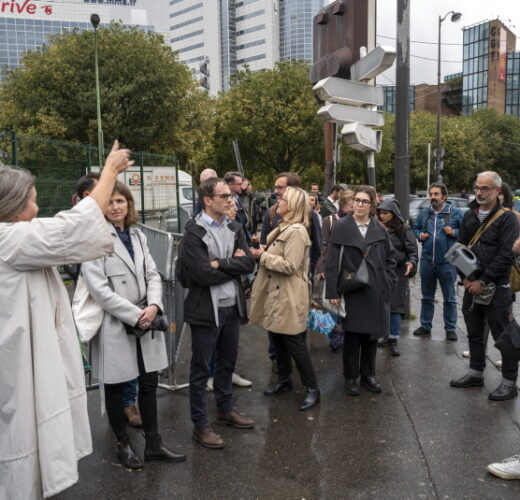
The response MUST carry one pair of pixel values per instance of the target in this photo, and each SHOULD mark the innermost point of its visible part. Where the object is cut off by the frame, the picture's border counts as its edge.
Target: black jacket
(195, 273)
(494, 248)
(368, 310)
(405, 250)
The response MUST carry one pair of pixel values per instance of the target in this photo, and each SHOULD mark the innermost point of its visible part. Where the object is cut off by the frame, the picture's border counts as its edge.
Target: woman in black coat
(406, 257)
(368, 309)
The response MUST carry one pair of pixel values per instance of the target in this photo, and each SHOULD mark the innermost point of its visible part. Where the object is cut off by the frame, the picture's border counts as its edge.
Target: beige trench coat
(44, 427)
(280, 295)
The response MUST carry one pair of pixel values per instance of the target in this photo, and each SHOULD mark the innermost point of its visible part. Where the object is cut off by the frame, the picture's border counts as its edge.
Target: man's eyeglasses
(360, 201)
(279, 188)
(225, 196)
(482, 189)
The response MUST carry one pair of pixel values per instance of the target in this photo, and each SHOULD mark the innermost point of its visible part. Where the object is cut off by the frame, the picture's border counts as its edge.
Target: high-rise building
(296, 28)
(216, 38)
(26, 24)
(513, 84)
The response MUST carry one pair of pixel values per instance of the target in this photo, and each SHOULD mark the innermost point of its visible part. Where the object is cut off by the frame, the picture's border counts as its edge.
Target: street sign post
(339, 113)
(373, 64)
(341, 91)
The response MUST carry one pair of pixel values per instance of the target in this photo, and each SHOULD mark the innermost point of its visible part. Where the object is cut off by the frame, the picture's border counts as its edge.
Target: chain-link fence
(164, 194)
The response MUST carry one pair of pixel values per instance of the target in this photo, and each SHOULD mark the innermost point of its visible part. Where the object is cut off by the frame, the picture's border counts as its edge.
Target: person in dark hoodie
(406, 256)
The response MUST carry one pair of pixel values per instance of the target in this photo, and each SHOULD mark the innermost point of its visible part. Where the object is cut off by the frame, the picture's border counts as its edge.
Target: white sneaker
(209, 384)
(509, 468)
(241, 382)
(465, 354)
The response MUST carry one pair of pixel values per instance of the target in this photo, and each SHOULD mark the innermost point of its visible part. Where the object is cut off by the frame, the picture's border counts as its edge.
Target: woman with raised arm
(44, 427)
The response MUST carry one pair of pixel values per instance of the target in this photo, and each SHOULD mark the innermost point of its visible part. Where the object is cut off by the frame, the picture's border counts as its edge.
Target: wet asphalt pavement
(419, 439)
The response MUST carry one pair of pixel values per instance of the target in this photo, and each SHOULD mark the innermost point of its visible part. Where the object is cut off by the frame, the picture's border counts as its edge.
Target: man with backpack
(437, 229)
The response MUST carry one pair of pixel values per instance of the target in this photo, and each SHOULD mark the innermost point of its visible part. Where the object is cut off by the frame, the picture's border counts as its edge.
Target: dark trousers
(497, 317)
(359, 355)
(294, 346)
(204, 341)
(114, 401)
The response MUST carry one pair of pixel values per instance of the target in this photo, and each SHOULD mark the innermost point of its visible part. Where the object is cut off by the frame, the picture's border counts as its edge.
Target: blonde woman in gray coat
(128, 287)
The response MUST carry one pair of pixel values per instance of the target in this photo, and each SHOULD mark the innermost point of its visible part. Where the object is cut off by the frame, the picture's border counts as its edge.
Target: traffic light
(339, 31)
(204, 73)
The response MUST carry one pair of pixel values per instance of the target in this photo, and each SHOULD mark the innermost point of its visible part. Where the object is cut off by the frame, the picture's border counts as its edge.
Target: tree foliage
(272, 115)
(146, 93)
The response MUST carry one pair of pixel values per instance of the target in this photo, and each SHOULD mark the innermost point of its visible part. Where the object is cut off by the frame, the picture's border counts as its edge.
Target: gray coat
(117, 283)
(368, 310)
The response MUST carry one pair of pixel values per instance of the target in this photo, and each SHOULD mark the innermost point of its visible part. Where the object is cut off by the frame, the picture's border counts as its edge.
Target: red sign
(23, 7)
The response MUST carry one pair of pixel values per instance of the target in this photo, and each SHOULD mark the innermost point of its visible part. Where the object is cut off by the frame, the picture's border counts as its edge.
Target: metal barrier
(163, 248)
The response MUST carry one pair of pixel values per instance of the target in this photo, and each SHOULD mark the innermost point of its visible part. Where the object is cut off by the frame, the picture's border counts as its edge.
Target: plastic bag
(321, 322)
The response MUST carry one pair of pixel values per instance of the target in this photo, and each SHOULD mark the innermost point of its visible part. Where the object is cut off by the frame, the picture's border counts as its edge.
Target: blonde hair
(298, 204)
(345, 197)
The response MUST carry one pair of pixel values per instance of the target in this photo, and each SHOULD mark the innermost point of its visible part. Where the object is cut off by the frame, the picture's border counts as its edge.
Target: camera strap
(482, 229)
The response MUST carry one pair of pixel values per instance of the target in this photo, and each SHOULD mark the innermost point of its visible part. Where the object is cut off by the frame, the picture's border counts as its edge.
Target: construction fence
(164, 195)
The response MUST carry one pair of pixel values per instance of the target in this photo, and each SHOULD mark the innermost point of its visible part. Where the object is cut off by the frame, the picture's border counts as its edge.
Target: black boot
(312, 398)
(156, 451)
(127, 456)
(393, 347)
(282, 384)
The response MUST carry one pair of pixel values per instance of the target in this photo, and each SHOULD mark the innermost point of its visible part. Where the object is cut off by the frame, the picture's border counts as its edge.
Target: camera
(464, 260)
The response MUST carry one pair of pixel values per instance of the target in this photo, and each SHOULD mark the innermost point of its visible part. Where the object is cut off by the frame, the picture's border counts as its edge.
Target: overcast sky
(423, 28)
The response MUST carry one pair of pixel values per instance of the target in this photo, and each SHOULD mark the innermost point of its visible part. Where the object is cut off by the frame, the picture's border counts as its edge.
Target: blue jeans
(130, 393)
(395, 325)
(446, 275)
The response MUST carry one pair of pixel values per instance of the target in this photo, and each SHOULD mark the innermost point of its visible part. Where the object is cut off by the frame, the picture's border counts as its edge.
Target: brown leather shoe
(236, 420)
(208, 437)
(133, 417)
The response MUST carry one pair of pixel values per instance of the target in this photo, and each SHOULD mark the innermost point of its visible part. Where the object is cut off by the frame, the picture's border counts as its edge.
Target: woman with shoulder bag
(280, 296)
(361, 267)
(406, 257)
(128, 287)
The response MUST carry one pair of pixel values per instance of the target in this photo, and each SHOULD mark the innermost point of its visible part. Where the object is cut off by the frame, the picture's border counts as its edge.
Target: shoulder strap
(425, 223)
(144, 256)
(482, 229)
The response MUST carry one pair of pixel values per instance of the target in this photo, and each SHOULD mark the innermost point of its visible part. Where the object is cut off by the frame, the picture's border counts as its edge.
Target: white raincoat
(44, 427)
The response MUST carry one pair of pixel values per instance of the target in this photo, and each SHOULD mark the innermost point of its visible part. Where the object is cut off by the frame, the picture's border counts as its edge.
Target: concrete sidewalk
(418, 439)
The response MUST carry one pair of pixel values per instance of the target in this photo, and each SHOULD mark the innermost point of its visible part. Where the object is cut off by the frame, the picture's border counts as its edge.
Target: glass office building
(513, 84)
(296, 28)
(390, 98)
(475, 68)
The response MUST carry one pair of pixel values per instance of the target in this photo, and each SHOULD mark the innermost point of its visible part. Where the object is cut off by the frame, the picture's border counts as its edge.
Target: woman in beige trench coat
(44, 427)
(280, 295)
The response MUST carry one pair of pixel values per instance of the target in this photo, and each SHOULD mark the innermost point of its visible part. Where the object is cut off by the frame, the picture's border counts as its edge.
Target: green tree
(272, 115)
(146, 93)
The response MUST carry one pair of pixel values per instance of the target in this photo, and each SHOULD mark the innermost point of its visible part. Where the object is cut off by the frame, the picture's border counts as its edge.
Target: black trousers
(204, 342)
(114, 401)
(294, 346)
(497, 317)
(359, 355)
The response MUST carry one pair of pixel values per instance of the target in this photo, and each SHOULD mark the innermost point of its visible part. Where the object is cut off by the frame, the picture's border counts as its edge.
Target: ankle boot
(127, 456)
(393, 347)
(156, 451)
(312, 398)
(282, 384)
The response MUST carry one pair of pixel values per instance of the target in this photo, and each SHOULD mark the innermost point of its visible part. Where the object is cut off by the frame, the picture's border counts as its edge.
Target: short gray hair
(15, 188)
(497, 180)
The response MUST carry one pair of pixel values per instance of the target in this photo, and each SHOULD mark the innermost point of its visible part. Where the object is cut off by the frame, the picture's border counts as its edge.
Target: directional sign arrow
(341, 91)
(347, 114)
(374, 63)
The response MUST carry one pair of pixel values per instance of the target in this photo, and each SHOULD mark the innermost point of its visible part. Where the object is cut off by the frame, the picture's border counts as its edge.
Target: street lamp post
(94, 19)
(439, 152)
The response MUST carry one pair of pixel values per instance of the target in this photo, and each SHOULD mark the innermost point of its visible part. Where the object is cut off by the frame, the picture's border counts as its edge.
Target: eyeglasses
(482, 189)
(279, 188)
(225, 196)
(360, 201)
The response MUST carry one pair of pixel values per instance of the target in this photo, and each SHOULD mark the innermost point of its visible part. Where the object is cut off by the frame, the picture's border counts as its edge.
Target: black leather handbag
(509, 341)
(353, 281)
(160, 323)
